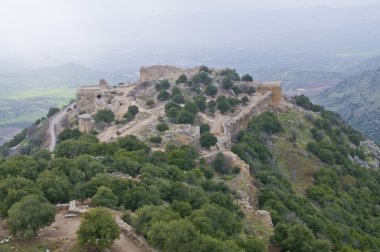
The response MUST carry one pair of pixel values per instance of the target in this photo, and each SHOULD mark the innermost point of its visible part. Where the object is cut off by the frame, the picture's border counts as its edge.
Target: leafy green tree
(211, 105)
(163, 95)
(67, 134)
(191, 107)
(245, 100)
(322, 246)
(218, 163)
(175, 235)
(247, 77)
(201, 77)
(105, 198)
(204, 128)
(182, 158)
(98, 229)
(304, 102)
(207, 140)
(72, 148)
(15, 195)
(211, 90)
(183, 208)
(178, 98)
(200, 101)
(139, 196)
(230, 74)
(104, 115)
(185, 117)
(223, 105)
(204, 69)
(254, 245)
(29, 214)
(299, 238)
(155, 139)
(133, 109)
(236, 90)
(222, 220)
(181, 79)
(161, 127)
(55, 186)
(91, 138)
(227, 83)
(52, 111)
(163, 85)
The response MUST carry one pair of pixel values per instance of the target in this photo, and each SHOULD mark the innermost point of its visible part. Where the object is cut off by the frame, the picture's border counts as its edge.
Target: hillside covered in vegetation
(357, 100)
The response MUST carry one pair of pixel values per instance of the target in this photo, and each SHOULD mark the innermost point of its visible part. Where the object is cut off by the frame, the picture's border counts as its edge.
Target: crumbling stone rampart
(86, 123)
(233, 125)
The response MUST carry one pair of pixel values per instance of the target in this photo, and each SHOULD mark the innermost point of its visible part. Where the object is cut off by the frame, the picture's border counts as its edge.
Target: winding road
(53, 125)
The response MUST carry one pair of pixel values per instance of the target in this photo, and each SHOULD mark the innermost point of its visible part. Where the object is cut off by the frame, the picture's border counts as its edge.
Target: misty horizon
(42, 35)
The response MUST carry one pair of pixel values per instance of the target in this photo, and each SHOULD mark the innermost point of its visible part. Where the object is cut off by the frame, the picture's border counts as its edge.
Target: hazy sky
(30, 25)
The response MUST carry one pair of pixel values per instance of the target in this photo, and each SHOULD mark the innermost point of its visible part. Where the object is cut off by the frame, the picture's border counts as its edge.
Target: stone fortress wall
(160, 72)
(275, 89)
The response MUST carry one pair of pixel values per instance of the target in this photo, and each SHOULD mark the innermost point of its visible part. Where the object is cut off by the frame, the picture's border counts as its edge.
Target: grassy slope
(292, 158)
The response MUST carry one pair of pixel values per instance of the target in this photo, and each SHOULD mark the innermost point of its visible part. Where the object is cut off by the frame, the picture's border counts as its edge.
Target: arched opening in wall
(99, 96)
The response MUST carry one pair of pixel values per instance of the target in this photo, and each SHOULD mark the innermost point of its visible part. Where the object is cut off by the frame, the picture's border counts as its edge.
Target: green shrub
(204, 69)
(247, 77)
(204, 128)
(227, 83)
(185, 117)
(181, 79)
(155, 139)
(163, 95)
(230, 74)
(207, 140)
(161, 127)
(104, 115)
(201, 77)
(134, 110)
(211, 90)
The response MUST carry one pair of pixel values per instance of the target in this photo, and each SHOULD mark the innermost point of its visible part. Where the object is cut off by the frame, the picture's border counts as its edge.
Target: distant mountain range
(357, 99)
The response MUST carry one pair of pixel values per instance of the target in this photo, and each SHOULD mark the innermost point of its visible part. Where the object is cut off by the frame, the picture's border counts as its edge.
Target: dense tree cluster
(176, 203)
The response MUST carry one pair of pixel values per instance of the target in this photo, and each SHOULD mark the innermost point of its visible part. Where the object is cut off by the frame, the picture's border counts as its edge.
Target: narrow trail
(53, 125)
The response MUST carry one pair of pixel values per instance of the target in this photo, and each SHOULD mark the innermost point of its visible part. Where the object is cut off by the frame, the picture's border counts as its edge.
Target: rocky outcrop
(374, 152)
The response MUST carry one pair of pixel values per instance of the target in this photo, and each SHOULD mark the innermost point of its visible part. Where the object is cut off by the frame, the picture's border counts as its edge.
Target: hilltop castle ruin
(90, 99)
